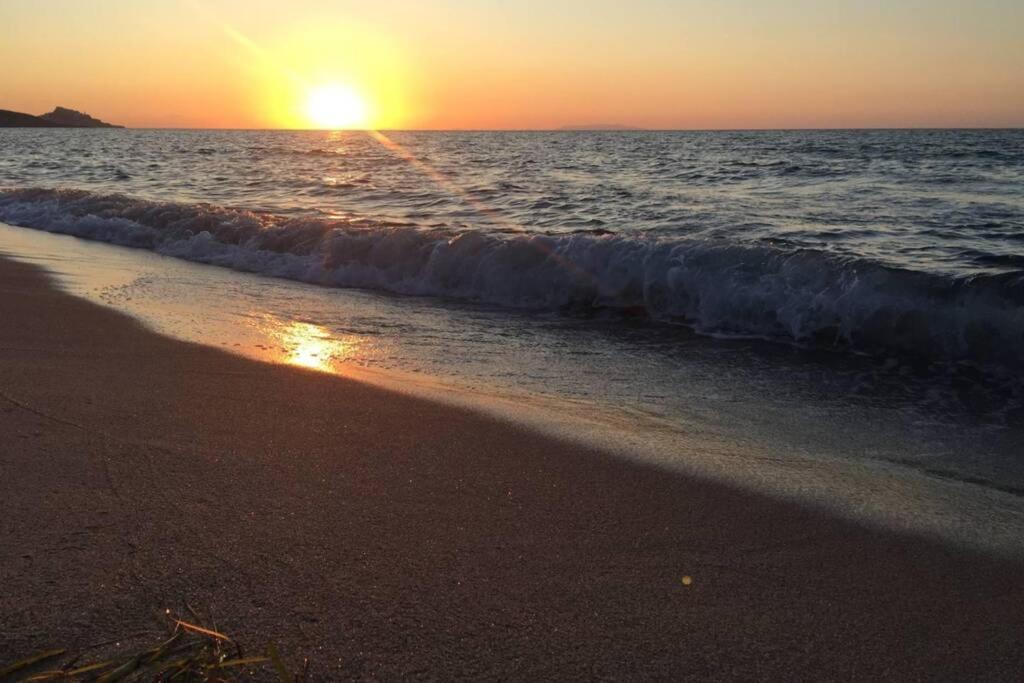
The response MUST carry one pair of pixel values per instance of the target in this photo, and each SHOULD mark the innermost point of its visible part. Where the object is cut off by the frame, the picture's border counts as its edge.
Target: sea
(831, 316)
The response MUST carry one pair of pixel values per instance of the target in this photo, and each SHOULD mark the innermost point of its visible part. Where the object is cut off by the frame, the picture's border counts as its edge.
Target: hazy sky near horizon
(521, 64)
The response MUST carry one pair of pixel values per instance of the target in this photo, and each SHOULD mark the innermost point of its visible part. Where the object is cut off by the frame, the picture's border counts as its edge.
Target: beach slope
(386, 536)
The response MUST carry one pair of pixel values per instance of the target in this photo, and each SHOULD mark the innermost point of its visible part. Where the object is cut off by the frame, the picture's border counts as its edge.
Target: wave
(753, 290)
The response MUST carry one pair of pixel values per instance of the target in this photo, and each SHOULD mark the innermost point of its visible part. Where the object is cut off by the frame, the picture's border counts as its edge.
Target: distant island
(60, 117)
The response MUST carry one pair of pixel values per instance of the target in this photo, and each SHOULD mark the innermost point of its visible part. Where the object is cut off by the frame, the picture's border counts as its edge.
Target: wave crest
(795, 295)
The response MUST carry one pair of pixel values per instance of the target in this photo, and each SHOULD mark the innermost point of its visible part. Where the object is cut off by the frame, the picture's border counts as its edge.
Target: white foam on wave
(796, 295)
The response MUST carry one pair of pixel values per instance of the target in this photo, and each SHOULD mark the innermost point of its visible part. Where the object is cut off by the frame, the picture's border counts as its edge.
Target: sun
(336, 106)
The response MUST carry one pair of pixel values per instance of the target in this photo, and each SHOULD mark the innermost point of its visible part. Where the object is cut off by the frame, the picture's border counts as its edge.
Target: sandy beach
(388, 537)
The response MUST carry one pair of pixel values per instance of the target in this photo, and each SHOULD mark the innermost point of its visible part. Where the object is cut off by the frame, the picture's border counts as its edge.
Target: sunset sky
(528, 64)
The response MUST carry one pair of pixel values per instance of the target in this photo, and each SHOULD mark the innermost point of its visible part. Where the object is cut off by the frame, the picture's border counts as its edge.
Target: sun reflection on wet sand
(312, 346)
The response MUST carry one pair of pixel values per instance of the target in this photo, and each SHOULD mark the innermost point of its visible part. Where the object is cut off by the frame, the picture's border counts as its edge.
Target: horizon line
(565, 129)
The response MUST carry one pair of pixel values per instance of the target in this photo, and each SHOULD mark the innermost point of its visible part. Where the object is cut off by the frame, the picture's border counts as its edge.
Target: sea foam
(750, 290)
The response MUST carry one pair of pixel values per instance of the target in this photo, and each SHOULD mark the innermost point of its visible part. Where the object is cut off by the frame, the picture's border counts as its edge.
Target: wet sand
(386, 536)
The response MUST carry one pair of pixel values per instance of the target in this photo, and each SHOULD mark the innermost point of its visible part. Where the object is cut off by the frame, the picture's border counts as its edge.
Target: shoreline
(781, 453)
(384, 535)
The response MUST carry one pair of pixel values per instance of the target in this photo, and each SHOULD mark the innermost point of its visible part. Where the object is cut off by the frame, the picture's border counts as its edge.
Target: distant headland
(60, 117)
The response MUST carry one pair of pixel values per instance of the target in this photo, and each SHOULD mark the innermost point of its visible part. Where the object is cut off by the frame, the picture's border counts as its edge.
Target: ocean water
(833, 315)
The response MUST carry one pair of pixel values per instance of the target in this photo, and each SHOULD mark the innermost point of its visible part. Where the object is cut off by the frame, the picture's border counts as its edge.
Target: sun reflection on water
(312, 346)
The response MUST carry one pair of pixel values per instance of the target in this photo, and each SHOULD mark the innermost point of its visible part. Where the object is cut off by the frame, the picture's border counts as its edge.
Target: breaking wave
(796, 295)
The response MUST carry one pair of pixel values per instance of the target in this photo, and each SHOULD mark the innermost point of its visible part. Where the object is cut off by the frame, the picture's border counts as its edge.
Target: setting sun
(336, 106)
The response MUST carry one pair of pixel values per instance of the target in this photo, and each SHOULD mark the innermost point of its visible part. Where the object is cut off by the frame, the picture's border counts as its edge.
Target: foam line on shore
(799, 296)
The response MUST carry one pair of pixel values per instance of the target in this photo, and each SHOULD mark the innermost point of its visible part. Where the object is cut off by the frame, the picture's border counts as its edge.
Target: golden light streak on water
(311, 346)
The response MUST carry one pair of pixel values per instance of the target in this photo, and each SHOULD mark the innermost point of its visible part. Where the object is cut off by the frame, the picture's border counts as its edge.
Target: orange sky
(527, 64)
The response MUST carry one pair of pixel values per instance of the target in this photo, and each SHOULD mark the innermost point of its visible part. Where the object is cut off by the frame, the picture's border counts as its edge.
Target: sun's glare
(312, 346)
(337, 106)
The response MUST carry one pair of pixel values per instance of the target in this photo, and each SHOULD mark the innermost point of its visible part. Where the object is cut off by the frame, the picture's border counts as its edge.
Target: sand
(386, 536)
